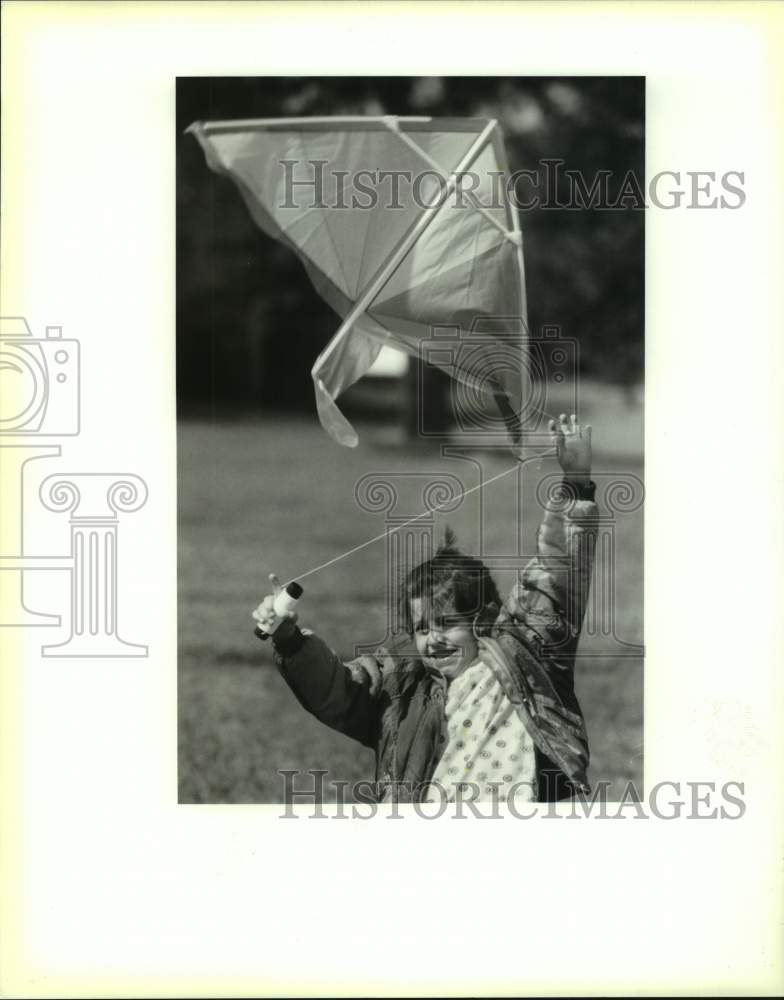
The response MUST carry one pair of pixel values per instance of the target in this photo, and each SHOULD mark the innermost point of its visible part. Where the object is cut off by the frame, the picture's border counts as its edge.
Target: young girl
(487, 708)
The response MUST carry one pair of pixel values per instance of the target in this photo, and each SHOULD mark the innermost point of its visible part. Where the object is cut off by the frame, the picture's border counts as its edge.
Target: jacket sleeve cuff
(286, 639)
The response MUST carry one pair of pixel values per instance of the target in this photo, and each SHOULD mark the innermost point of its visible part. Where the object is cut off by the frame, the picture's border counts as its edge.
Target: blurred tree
(249, 323)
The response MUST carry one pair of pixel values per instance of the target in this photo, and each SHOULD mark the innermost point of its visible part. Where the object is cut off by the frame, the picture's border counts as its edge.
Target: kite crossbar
(313, 122)
(393, 124)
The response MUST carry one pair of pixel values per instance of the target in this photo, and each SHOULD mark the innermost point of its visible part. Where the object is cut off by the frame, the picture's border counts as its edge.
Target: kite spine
(394, 261)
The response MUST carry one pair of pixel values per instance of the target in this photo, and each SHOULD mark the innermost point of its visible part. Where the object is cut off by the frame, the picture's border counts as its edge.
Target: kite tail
(332, 420)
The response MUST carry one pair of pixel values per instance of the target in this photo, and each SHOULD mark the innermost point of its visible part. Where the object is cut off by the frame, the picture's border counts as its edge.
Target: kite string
(425, 513)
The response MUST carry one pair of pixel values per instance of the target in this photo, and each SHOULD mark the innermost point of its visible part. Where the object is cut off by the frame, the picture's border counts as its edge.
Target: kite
(404, 227)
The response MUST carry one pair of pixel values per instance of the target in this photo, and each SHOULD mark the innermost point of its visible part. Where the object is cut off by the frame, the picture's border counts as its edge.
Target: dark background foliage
(249, 323)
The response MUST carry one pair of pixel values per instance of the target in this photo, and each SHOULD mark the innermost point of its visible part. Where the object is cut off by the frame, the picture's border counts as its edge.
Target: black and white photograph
(410, 342)
(390, 498)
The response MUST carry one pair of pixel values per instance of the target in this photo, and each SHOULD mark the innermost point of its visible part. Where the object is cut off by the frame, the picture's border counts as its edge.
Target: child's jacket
(531, 649)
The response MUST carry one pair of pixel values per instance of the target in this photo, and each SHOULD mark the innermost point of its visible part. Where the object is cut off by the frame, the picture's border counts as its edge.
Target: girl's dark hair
(451, 578)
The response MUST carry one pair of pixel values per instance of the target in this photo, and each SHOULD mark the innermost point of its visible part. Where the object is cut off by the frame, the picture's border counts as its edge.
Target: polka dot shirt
(487, 742)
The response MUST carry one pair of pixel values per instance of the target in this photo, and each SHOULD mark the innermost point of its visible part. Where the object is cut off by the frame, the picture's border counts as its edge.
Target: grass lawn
(265, 495)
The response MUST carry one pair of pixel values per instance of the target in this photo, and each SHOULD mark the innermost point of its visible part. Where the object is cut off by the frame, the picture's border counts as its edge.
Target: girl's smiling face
(444, 640)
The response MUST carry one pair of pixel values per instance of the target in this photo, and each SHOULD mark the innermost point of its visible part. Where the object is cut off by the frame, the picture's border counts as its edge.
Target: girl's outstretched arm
(342, 696)
(549, 599)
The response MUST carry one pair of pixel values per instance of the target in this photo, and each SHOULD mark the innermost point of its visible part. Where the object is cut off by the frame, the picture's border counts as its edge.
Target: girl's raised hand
(573, 446)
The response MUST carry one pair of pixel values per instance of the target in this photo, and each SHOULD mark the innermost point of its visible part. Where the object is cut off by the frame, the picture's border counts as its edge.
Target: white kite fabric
(428, 268)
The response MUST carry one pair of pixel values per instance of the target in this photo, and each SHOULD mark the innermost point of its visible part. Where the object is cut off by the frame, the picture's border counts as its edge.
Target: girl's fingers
(575, 425)
(275, 583)
(265, 610)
